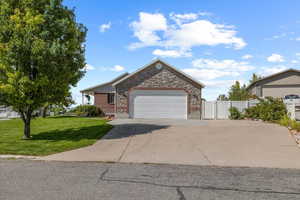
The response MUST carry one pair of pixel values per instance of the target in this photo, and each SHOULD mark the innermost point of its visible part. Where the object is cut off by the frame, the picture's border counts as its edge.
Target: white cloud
(227, 65)
(117, 68)
(294, 61)
(247, 56)
(203, 32)
(208, 74)
(105, 27)
(272, 70)
(275, 58)
(209, 69)
(180, 18)
(298, 54)
(222, 83)
(297, 39)
(145, 29)
(89, 67)
(275, 37)
(171, 53)
(188, 32)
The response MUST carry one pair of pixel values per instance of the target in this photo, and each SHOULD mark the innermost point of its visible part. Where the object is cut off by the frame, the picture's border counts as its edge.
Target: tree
(255, 78)
(41, 54)
(222, 97)
(68, 101)
(238, 92)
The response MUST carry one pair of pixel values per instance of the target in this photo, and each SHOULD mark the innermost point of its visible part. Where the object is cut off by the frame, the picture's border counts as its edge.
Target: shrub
(269, 109)
(88, 111)
(285, 121)
(252, 112)
(235, 114)
(289, 123)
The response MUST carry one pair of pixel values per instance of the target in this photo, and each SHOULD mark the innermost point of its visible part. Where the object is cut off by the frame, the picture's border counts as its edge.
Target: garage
(151, 104)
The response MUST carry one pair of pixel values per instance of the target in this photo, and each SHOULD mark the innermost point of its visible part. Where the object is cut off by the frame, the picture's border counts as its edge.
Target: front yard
(51, 135)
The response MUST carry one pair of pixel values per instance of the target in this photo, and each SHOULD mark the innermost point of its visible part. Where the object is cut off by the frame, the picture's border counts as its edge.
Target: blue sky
(217, 42)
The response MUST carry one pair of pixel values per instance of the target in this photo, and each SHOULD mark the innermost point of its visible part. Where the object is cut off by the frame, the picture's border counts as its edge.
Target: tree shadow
(74, 134)
(96, 132)
(128, 130)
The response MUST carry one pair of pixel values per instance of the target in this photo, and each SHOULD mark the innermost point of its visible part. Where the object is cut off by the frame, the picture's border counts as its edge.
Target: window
(111, 98)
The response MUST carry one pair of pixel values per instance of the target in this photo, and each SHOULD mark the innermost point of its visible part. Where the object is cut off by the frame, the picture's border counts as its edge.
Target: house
(157, 90)
(7, 112)
(277, 85)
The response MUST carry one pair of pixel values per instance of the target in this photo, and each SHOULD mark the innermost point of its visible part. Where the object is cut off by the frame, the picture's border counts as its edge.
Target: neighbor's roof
(271, 76)
(103, 84)
(154, 61)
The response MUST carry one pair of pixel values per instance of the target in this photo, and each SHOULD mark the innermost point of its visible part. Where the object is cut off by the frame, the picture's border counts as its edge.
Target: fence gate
(208, 110)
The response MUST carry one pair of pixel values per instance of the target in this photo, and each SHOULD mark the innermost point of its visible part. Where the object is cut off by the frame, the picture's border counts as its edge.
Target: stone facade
(154, 78)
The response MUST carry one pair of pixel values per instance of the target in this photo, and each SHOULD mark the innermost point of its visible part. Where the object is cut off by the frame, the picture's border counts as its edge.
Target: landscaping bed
(51, 135)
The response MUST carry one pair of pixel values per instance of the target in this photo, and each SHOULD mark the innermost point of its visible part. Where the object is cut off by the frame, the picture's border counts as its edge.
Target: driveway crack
(179, 187)
(103, 175)
(125, 149)
(205, 156)
(180, 194)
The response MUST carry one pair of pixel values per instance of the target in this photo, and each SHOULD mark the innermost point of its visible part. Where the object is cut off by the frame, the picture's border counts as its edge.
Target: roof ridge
(110, 82)
(164, 62)
(275, 74)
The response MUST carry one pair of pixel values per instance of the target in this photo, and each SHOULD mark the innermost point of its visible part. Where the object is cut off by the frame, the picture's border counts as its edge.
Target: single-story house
(7, 112)
(157, 90)
(277, 85)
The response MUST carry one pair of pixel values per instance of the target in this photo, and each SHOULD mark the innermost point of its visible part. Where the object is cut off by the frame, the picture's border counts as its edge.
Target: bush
(289, 123)
(285, 121)
(269, 109)
(295, 125)
(88, 111)
(235, 114)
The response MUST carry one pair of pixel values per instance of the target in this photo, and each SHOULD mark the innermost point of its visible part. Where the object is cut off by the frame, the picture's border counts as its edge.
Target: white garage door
(153, 104)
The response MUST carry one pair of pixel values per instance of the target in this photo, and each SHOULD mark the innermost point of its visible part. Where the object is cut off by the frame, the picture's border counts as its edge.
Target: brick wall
(165, 78)
(101, 102)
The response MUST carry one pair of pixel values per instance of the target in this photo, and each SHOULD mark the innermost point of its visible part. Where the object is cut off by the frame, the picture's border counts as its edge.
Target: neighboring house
(157, 90)
(277, 85)
(7, 112)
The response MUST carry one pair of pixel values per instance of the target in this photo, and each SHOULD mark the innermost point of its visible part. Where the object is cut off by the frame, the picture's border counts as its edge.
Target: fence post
(215, 110)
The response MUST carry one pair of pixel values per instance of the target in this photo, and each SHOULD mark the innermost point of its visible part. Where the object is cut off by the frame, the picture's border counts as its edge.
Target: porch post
(82, 98)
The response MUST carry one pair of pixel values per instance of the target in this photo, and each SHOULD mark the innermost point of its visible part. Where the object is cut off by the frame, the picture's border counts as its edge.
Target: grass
(51, 135)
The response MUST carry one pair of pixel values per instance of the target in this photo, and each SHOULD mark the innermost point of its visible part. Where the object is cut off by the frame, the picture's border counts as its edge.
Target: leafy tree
(41, 54)
(238, 92)
(68, 101)
(254, 78)
(222, 97)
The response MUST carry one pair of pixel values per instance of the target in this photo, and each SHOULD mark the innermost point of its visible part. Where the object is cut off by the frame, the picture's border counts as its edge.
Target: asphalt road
(26, 180)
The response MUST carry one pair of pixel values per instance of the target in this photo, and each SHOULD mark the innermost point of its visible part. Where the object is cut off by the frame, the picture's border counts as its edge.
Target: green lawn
(50, 135)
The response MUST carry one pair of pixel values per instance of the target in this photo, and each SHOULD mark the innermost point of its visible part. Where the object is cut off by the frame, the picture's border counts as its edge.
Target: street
(24, 179)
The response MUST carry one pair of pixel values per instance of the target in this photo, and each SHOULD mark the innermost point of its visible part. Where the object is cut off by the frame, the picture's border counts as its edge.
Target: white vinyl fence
(293, 110)
(6, 112)
(220, 109)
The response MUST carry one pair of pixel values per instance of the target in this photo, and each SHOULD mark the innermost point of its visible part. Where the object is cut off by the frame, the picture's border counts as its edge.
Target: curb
(296, 137)
(18, 157)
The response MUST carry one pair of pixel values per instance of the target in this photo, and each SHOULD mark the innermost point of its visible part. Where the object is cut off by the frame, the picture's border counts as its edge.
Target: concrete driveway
(219, 143)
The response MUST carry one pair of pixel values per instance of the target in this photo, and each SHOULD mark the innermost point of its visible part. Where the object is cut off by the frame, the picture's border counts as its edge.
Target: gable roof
(165, 63)
(107, 83)
(271, 76)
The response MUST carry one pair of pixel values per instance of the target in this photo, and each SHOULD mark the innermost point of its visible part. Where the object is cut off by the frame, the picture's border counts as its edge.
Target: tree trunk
(26, 117)
(27, 129)
(44, 114)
